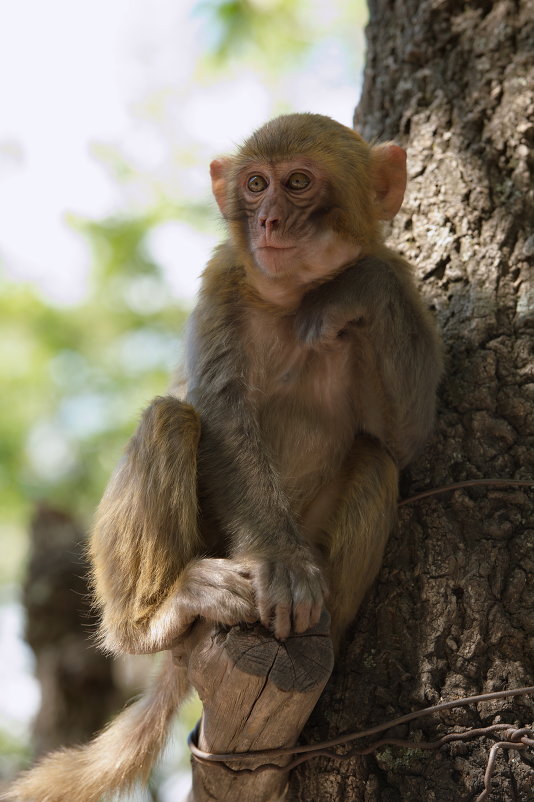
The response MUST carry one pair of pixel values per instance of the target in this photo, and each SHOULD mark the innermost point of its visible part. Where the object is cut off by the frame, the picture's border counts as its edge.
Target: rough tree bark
(452, 612)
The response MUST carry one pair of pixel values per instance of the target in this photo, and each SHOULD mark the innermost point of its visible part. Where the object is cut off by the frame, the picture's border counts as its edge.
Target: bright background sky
(79, 77)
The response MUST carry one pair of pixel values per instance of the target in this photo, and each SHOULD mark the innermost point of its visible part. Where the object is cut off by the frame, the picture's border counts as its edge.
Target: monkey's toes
(233, 610)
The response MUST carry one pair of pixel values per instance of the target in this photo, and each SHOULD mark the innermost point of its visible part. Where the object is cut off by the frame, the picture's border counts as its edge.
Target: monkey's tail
(122, 753)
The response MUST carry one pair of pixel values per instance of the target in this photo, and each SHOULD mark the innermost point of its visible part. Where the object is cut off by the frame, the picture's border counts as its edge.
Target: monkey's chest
(305, 412)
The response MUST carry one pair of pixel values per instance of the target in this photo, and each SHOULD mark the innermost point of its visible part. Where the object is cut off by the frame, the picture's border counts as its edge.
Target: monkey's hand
(324, 327)
(352, 298)
(322, 319)
(290, 591)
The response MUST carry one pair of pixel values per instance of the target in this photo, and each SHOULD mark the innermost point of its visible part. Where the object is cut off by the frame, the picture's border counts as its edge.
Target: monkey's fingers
(305, 616)
(289, 592)
(316, 613)
(272, 585)
(281, 625)
(308, 592)
(298, 596)
(307, 611)
(274, 604)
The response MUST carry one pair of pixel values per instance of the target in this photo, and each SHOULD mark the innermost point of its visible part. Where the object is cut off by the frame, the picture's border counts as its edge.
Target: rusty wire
(518, 738)
(468, 483)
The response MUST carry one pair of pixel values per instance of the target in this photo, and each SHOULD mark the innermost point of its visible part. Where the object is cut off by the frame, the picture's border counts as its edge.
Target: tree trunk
(79, 691)
(256, 694)
(452, 612)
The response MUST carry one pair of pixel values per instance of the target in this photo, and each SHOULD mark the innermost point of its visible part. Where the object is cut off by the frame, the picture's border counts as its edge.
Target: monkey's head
(304, 195)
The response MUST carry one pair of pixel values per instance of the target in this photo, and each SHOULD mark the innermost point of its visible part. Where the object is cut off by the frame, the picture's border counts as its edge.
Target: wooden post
(257, 693)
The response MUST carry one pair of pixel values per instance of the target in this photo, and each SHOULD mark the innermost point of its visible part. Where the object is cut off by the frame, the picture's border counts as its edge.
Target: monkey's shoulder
(220, 297)
(383, 271)
(224, 273)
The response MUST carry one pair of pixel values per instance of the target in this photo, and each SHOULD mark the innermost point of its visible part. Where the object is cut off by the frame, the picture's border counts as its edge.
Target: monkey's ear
(219, 171)
(388, 176)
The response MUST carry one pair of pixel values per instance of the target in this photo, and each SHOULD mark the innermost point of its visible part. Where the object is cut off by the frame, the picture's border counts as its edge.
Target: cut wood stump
(257, 693)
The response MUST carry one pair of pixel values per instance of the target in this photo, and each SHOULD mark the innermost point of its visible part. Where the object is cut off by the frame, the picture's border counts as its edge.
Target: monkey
(269, 491)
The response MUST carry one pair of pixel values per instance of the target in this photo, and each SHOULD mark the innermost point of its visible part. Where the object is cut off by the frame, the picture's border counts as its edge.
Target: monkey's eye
(257, 183)
(298, 181)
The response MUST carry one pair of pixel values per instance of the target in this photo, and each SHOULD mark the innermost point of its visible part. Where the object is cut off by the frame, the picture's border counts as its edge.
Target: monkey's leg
(150, 579)
(358, 530)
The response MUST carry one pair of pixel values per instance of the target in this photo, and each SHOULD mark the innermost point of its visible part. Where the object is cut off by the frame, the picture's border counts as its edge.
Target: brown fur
(311, 370)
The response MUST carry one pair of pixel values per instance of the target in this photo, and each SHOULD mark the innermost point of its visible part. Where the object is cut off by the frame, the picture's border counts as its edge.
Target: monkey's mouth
(274, 259)
(271, 247)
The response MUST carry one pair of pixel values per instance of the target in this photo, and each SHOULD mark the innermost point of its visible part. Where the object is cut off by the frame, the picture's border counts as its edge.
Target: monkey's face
(303, 198)
(286, 211)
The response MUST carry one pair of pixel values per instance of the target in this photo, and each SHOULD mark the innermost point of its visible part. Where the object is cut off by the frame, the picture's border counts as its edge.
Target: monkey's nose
(269, 223)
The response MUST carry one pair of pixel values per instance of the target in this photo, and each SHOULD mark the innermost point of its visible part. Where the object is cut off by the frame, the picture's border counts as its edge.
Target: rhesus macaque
(269, 491)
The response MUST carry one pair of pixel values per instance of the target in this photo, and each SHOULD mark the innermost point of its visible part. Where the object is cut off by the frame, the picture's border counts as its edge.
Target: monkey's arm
(376, 298)
(239, 482)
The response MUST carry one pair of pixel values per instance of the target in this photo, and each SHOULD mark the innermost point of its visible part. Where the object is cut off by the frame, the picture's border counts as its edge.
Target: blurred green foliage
(75, 378)
(271, 26)
(276, 34)
(14, 754)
